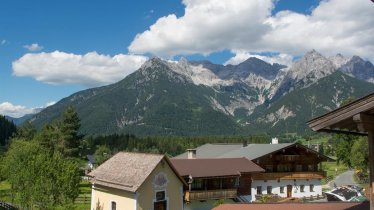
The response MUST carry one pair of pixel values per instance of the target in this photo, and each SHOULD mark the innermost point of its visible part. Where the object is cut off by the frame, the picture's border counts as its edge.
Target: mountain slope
(291, 112)
(152, 101)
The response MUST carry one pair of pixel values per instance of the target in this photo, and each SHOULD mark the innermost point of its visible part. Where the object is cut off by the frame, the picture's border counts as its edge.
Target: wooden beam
(343, 132)
(343, 113)
(371, 165)
(364, 122)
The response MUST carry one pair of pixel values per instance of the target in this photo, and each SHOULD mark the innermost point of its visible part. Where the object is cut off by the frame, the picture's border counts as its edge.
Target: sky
(52, 49)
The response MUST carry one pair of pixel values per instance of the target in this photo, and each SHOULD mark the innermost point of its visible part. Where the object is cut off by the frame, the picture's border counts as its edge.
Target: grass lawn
(83, 202)
(5, 192)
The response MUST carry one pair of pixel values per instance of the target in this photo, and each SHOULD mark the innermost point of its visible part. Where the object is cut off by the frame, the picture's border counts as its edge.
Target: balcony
(290, 175)
(288, 158)
(212, 194)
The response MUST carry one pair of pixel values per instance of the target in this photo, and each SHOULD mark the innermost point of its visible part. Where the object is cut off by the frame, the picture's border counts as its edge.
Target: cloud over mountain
(248, 26)
(207, 26)
(90, 70)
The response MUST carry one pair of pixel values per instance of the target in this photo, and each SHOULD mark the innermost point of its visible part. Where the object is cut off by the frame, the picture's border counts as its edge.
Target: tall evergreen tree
(69, 125)
(7, 128)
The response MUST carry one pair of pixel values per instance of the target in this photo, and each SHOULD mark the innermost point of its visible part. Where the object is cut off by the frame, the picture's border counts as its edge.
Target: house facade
(290, 170)
(137, 181)
(216, 178)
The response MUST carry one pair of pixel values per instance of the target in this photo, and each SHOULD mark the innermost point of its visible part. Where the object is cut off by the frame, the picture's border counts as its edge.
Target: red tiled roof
(215, 167)
(297, 206)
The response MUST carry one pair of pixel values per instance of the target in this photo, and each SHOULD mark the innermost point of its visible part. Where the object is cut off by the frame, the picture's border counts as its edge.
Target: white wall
(295, 190)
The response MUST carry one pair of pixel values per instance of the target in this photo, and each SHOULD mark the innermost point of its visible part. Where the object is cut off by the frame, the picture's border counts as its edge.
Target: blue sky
(51, 49)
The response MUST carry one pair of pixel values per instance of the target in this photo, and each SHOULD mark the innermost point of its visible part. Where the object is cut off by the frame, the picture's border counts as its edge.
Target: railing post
(371, 166)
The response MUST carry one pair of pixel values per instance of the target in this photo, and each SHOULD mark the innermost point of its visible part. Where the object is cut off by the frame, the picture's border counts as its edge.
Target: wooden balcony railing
(290, 175)
(213, 194)
(288, 158)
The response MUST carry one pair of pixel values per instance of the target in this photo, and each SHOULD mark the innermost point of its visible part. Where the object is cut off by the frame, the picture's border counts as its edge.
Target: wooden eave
(296, 145)
(353, 118)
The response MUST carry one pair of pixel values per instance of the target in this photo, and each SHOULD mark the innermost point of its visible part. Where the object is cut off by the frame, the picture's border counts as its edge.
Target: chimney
(191, 153)
(274, 140)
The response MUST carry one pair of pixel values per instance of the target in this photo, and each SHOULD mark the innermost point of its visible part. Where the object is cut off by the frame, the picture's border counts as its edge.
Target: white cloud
(241, 25)
(11, 110)
(50, 103)
(3, 42)
(207, 26)
(334, 26)
(241, 56)
(8, 109)
(33, 47)
(91, 69)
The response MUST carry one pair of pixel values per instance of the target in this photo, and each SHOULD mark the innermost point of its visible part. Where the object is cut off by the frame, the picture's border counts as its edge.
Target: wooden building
(137, 181)
(291, 170)
(354, 118)
(220, 178)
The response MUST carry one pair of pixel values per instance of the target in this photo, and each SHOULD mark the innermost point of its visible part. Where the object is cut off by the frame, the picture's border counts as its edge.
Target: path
(345, 178)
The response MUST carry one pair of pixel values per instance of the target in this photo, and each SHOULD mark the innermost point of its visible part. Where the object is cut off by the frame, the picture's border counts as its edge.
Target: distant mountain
(291, 112)
(358, 68)
(155, 100)
(202, 98)
(20, 120)
(304, 72)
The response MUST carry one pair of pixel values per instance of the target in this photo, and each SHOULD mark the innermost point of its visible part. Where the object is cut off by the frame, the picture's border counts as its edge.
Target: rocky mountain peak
(359, 68)
(313, 54)
(338, 60)
(356, 59)
(153, 62)
(312, 63)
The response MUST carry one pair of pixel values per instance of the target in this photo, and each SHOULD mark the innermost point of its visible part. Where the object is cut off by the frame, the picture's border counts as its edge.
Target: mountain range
(202, 98)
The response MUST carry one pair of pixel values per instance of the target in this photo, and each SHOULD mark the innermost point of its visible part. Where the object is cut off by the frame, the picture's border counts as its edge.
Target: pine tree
(7, 129)
(69, 125)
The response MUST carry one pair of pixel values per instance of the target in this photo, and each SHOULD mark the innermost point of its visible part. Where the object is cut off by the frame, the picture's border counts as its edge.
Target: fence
(312, 198)
(83, 199)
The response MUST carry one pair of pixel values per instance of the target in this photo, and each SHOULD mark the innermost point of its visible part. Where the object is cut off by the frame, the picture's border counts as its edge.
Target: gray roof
(215, 167)
(126, 171)
(251, 151)
(212, 150)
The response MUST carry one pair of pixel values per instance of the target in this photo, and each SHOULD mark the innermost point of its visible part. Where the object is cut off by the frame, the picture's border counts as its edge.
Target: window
(237, 182)
(160, 203)
(197, 184)
(259, 190)
(284, 168)
(269, 190)
(282, 189)
(299, 168)
(311, 167)
(113, 205)
(302, 188)
(160, 196)
(311, 188)
(269, 168)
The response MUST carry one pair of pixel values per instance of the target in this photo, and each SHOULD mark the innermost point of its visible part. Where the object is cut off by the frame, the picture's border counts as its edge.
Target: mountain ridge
(202, 98)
